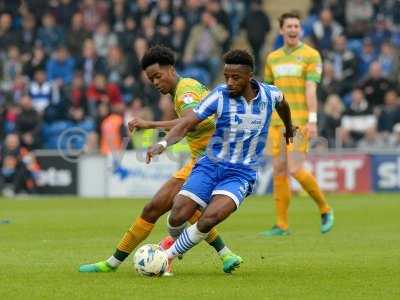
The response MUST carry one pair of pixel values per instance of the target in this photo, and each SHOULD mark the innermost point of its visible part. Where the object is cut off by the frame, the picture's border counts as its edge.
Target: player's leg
(140, 228)
(226, 198)
(220, 208)
(213, 239)
(281, 184)
(308, 182)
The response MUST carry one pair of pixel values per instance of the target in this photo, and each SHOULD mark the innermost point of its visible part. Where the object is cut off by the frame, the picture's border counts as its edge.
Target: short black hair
(239, 57)
(158, 54)
(289, 15)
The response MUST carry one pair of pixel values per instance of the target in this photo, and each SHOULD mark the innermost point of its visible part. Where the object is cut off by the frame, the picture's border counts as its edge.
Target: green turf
(47, 239)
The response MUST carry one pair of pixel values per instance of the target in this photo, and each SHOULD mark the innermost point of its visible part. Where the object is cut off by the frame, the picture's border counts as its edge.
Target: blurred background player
(296, 69)
(158, 63)
(225, 175)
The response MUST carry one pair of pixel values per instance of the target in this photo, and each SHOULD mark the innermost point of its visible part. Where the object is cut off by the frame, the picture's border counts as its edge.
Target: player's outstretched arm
(138, 123)
(283, 110)
(177, 133)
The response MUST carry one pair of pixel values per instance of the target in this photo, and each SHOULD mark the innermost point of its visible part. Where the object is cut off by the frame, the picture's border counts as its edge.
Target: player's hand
(153, 151)
(289, 134)
(312, 130)
(137, 123)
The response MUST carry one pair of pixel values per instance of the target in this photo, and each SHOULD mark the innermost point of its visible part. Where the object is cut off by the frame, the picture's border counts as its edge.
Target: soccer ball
(150, 260)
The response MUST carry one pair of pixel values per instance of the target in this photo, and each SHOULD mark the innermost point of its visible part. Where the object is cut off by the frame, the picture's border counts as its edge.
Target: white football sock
(113, 262)
(188, 239)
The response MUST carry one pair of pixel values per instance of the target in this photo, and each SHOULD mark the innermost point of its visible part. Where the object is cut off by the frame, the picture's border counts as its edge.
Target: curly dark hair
(239, 57)
(158, 54)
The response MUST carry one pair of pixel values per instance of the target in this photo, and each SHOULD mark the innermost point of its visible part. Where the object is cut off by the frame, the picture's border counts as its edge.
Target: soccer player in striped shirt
(158, 63)
(225, 175)
(295, 69)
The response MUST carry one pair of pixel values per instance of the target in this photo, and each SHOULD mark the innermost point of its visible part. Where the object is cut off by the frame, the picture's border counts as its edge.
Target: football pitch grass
(48, 238)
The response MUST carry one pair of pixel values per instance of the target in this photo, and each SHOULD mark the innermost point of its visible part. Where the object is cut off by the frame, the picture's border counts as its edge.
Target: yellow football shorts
(276, 141)
(184, 172)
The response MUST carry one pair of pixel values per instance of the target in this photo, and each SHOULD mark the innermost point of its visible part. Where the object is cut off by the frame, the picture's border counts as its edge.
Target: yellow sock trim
(137, 233)
(282, 195)
(212, 236)
(310, 185)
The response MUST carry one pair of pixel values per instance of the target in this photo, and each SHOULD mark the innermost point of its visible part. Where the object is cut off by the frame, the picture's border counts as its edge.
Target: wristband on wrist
(163, 143)
(312, 117)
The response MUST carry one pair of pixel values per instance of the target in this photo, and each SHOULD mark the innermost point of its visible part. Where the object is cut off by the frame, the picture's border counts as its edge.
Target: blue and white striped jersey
(241, 127)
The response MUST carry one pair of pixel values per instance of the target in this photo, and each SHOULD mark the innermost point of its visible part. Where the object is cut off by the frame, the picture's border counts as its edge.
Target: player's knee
(152, 211)
(293, 170)
(279, 168)
(176, 218)
(178, 215)
(207, 222)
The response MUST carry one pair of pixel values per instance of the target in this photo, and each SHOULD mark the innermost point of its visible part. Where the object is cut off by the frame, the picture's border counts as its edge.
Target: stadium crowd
(71, 69)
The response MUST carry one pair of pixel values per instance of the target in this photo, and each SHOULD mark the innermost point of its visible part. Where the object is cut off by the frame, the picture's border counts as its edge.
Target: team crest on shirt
(299, 59)
(262, 105)
(188, 98)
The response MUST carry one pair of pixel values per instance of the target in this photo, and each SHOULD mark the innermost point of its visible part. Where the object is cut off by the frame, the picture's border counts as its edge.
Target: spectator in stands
(325, 30)
(102, 91)
(76, 94)
(150, 33)
(331, 119)
(390, 113)
(141, 9)
(358, 17)
(375, 86)
(84, 127)
(380, 33)
(365, 58)
(12, 67)
(113, 130)
(40, 91)
(38, 61)
(119, 11)
(7, 36)
(389, 61)
(329, 85)
(203, 49)
(60, 68)
(117, 67)
(90, 63)
(27, 34)
(214, 7)
(94, 12)
(337, 7)
(64, 10)
(357, 119)
(192, 13)
(28, 124)
(144, 90)
(138, 49)
(103, 38)
(16, 167)
(371, 141)
(76, 35)
(179, 38)
(344, 64)
(130, 34)
(257, 25)
(164, 17)
(394, 139)
(50, 35)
